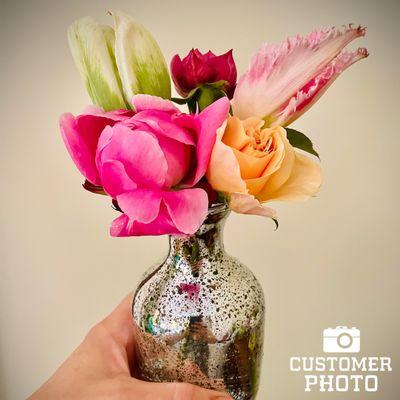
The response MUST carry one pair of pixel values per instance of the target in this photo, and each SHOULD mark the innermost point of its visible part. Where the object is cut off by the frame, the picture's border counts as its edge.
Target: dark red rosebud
(197, 69)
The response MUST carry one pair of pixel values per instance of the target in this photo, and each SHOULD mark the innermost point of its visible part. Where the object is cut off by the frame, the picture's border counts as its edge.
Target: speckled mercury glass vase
(199, 316)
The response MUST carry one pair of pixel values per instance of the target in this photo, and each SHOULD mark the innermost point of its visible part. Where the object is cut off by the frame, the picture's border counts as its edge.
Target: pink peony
(196, 69)
(148, 161)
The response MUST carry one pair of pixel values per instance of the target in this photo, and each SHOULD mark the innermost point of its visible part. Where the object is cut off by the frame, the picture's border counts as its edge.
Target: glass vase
(199, 315)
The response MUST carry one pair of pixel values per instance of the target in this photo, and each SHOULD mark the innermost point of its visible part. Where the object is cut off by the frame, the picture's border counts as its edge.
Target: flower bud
(140, 62)
(92, 47)
(197, 69)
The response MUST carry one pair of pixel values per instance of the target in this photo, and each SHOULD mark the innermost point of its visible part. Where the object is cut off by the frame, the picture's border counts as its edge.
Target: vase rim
(216, 212)
(217, 208)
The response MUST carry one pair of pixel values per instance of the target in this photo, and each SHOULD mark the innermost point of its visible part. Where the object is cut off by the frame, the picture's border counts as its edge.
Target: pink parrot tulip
(284, 80)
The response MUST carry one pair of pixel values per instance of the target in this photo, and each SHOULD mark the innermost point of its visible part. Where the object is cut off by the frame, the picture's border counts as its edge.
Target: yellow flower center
(261, 142)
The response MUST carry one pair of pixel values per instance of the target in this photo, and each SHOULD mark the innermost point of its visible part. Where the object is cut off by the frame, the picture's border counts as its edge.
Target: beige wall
(334, 260)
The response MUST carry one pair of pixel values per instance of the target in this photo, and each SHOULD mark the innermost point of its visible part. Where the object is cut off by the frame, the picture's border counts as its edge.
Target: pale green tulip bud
(140, 62)
(92, 47)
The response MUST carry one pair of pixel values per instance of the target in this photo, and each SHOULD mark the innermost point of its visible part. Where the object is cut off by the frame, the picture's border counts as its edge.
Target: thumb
(172, 391)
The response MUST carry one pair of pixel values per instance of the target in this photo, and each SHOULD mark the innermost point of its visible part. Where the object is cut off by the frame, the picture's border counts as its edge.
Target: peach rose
(255, 165)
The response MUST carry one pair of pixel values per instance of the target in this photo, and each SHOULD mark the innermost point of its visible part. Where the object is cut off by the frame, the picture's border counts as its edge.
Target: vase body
(199, 316)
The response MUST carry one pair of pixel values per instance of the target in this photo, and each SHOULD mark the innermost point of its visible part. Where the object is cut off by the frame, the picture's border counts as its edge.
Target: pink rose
(148, 161)
(197, 69)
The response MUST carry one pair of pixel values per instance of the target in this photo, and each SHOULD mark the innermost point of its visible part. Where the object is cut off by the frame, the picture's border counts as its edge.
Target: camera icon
(341, 340)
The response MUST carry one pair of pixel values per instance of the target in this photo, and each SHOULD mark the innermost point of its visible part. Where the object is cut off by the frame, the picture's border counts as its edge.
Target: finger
(118, 326)
(119, 323)
(173, 391)
(121, 315)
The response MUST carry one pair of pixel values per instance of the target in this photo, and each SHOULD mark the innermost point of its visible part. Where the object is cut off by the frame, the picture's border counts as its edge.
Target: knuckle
(92, 334)
(96, 332)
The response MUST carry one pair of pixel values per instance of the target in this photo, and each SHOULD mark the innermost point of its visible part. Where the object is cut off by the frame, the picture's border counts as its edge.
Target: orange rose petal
(304, 181)
(253, 122)
(250, 166)
(279, 135)
(281, 171)
(255, 185)
(235, 135)
(223, 171)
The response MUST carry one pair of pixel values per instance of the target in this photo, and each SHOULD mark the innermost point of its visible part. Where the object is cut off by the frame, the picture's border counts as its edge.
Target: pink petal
(278, 71)
(173, 140)
(179, 212)
(164, 124)
(177, 156)
(226, 70)
(80, 135)
(178, 76)
(104, 140)
(114, 115)
(209, 120)
(120, 115)
(143, 102)
(162, 225)
(120, 226)
(140, 205)
(187, 208)
(310, 93)
(243, 203)
(139, 152)
(115, 179)
(196, 71)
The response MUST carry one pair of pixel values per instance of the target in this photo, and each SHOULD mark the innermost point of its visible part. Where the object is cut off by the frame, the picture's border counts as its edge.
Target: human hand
(100, 368)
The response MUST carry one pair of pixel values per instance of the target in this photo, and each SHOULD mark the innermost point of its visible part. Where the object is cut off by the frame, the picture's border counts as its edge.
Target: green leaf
(192, 105)
(221, 85)
(203, 95)
(188, 98)
(93, 188)
(208, 94)
(300, 141)
(178, 100)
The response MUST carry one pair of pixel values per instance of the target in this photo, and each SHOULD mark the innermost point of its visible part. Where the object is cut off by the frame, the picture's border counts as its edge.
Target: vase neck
(208, 240)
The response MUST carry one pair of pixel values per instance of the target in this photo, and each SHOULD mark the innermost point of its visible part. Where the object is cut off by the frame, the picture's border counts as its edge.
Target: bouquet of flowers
(162, 167)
